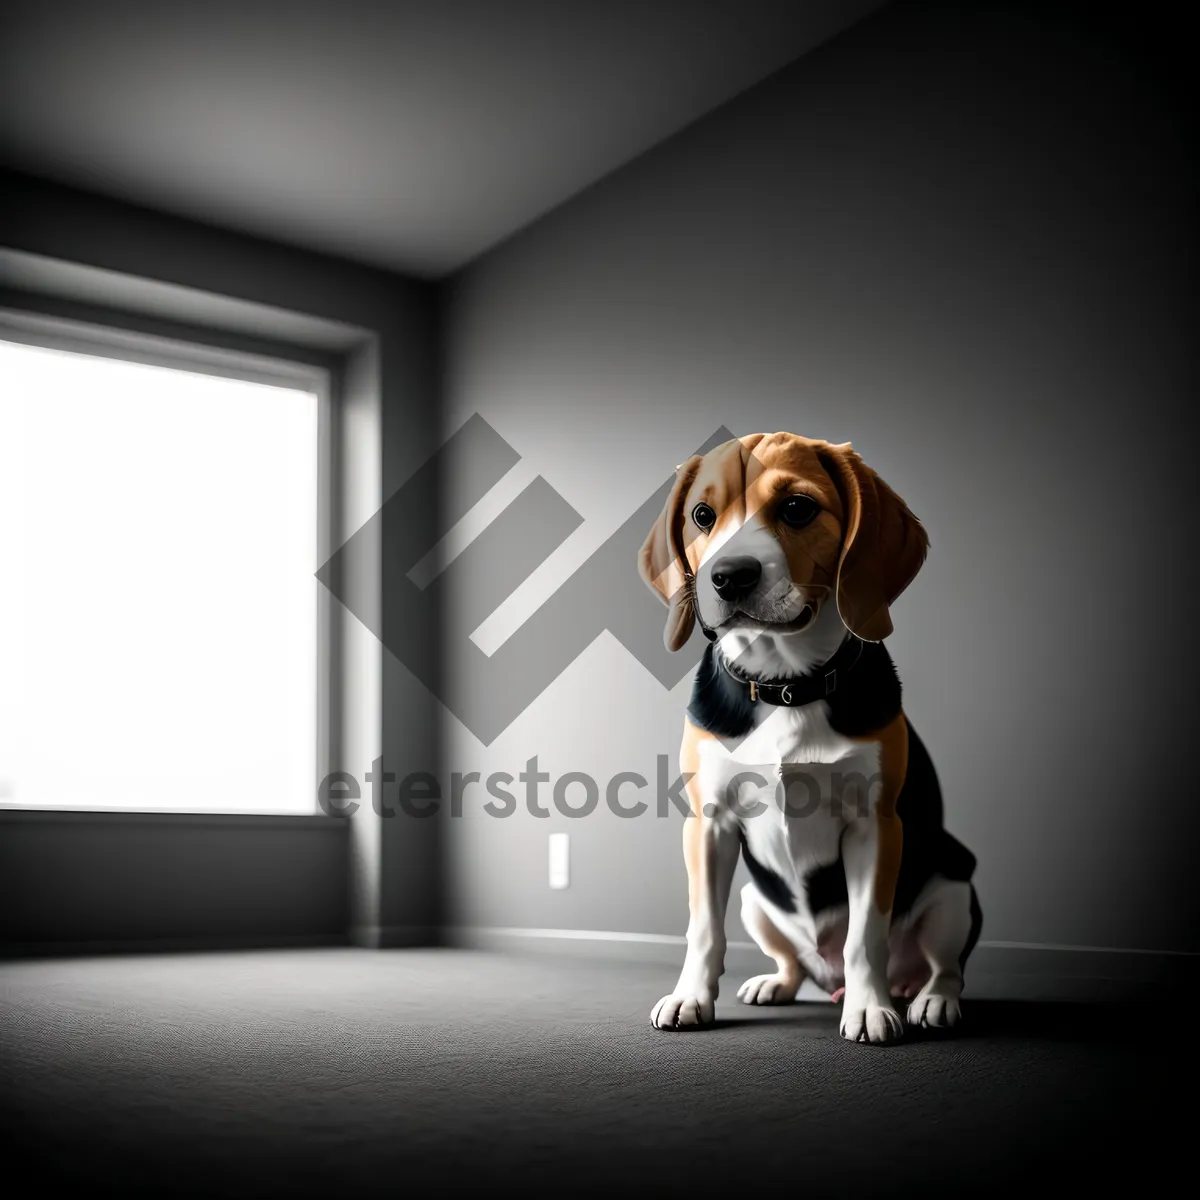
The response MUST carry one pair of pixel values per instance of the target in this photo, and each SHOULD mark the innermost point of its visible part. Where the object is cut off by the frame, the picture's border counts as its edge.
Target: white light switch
(560, 860)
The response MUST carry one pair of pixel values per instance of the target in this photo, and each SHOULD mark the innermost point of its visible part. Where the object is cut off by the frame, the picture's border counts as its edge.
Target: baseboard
(995, 971)
(175, 945)
(392, 937)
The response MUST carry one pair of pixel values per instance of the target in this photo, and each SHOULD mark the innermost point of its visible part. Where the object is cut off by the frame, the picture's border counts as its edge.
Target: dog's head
(763, 531)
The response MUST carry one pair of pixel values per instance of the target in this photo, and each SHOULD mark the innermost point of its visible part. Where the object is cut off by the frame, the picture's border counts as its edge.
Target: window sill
(242, 820)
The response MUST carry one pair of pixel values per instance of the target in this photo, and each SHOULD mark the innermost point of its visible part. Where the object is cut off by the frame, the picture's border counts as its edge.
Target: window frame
(205, 351)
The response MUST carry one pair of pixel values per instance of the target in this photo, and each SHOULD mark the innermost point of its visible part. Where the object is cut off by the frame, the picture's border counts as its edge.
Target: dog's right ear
(662, 564)
(883, 544)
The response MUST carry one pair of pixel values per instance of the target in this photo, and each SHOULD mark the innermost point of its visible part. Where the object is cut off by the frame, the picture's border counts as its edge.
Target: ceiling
(411, 135)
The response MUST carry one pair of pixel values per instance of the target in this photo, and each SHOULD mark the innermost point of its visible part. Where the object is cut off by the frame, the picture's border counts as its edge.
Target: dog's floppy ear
(661, 562)
(883, 545)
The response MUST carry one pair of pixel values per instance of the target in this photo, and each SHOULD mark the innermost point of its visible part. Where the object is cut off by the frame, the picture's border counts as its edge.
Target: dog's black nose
(736, 577)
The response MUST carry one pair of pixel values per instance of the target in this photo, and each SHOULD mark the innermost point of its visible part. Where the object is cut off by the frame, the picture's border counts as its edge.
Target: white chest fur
(792, 785)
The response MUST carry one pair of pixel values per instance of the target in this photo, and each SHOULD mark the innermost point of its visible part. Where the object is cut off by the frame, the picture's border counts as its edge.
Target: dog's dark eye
(798, 511)
(704, 516)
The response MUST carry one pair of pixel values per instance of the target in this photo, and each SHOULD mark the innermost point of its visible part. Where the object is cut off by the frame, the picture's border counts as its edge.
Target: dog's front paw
(768, 989)
(683, 1010)
(932, 1010)
(871, 1022)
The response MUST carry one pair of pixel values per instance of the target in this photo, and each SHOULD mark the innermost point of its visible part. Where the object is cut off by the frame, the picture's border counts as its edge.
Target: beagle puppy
(788, 552)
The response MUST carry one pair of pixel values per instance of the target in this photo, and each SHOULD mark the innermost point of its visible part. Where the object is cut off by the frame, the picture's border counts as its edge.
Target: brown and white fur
(827, 576)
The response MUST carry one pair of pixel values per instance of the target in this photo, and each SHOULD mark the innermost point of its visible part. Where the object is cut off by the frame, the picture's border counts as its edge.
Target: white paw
(768, 989)
(683, 1010)
(933, 1011)
(874, 1023)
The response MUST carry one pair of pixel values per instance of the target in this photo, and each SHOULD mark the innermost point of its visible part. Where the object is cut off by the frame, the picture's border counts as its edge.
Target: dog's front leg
(872, 845)
(867, 1012)
(711, 853)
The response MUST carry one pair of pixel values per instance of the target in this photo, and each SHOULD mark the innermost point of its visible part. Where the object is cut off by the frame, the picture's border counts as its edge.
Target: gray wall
(960, 237)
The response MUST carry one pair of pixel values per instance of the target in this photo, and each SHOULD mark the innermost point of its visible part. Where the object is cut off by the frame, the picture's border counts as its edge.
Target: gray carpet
(350, 1072)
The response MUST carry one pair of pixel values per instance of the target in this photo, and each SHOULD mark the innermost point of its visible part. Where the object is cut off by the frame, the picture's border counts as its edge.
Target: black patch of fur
(719, 704)
(825, 887)
(768, 882)
(868, 694)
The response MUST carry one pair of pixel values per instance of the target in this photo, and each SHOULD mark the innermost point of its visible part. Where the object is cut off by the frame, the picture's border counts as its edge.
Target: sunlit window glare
(157, 599)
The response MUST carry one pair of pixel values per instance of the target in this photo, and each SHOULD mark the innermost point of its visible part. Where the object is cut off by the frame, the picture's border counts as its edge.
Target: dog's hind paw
(768, 989)
(931, 1010)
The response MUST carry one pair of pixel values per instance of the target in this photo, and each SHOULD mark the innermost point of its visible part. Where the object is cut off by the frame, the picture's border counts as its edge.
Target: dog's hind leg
(782, 986)
(946, 932)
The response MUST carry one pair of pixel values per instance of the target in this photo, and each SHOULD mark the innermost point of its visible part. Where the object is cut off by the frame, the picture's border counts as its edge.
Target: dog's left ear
(661, 562)
(883, 545)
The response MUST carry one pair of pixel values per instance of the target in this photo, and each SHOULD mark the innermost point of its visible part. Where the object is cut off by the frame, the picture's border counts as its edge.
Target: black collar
(820, 683)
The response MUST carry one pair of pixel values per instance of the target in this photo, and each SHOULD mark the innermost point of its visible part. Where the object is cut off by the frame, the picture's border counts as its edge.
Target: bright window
(158, 605)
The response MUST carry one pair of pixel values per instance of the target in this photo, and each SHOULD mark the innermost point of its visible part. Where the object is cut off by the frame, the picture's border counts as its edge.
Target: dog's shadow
(994, 1020)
